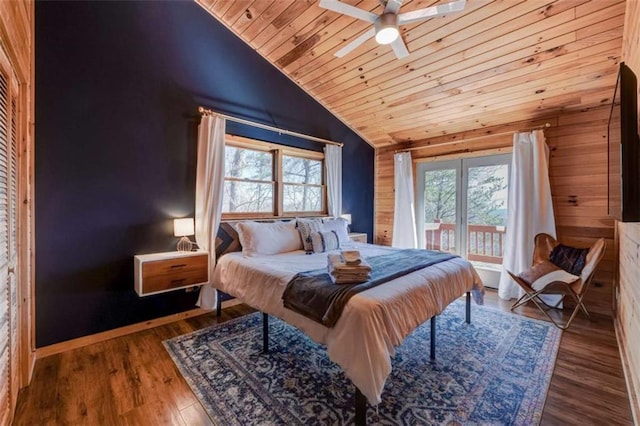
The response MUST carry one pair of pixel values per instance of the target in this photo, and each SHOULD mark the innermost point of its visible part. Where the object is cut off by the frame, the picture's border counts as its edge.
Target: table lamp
(183, 228)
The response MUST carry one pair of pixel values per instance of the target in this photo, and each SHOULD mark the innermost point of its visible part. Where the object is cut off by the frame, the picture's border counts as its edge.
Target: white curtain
(209, 190)
(404, 220)
(530, 207)
(333, 166)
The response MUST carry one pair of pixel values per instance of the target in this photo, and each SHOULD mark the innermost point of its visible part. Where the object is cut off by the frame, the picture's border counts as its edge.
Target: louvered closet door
(12, 282)
(9, 327)
(5, 293)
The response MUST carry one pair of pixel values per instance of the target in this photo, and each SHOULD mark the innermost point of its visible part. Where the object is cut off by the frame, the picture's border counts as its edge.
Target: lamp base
(184, 244)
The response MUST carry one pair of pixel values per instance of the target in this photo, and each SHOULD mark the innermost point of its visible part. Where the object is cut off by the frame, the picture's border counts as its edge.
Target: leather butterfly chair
(577, 289)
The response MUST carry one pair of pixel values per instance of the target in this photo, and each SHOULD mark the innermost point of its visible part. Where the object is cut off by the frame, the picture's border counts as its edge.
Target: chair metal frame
(577, 290)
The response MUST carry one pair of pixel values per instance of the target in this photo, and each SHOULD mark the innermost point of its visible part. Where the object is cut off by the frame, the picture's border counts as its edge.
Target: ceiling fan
(385, 26)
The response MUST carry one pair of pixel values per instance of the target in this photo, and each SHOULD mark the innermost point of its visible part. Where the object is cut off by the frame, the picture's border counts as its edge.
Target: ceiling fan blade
(393, 6)
(430, 12)
(399, 48)
(355, 43)
(347, 9)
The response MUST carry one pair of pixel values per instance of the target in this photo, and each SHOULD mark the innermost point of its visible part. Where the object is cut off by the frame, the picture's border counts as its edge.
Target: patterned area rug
(495, 370)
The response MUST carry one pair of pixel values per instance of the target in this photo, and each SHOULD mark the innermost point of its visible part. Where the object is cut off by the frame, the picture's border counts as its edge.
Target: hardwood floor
(132, 380)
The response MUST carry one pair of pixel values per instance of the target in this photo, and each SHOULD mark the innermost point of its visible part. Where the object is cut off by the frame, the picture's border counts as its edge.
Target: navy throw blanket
(315, 296)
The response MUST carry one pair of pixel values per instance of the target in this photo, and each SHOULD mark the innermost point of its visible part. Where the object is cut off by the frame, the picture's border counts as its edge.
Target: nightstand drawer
(359, 237)
(173, 266)
(170, 271)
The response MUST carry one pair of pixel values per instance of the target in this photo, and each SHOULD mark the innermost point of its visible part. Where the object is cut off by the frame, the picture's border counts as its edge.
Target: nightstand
(359, 237)
(161, 272)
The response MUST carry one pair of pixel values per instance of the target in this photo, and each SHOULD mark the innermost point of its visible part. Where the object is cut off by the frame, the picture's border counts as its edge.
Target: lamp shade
(347, 217)
(183, 227)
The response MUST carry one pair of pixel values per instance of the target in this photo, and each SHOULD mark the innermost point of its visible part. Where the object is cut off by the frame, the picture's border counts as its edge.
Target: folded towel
(348, 280)
(351, 257)
(335, 262)
(341, 273)
(364, 275)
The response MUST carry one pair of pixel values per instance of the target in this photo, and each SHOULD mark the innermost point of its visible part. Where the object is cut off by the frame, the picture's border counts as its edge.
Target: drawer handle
(179, 266)
(177, 281)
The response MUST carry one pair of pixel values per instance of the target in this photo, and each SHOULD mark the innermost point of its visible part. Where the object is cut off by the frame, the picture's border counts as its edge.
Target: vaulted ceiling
(494, 63)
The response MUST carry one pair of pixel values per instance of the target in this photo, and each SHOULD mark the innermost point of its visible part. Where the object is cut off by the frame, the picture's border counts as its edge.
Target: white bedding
(372, 323)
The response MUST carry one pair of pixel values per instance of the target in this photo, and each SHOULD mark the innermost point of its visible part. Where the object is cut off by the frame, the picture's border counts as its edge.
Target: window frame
(277, 151)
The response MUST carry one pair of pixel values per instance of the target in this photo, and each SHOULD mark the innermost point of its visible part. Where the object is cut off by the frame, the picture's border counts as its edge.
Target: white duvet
(372, 323)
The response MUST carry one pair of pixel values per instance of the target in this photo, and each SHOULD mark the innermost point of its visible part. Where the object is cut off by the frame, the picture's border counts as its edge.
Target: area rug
(494, 371)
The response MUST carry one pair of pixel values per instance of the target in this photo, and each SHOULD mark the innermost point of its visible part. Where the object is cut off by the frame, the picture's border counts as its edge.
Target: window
(248, 183)
(265, 179)
(302, 184)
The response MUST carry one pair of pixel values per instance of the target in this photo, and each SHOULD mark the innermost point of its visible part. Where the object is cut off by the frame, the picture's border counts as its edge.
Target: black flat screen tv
(624, 150)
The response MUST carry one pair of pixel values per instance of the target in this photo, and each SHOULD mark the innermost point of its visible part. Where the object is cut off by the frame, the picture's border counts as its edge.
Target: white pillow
(264, 238)
(339, 225)
(544, 273)
(560, 275)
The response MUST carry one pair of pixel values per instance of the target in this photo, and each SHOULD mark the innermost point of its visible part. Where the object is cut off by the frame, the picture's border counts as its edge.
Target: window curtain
(530, 208)
(333, 166)
(209, 191)
(404, 219)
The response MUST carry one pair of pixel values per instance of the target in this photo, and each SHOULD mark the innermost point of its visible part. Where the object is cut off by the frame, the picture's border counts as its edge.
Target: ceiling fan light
(387, 35)
(387, 28)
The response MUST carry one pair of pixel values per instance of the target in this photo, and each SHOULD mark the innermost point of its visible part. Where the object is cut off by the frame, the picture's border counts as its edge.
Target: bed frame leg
(467, 318)
(218, 304)
(361, 408)
(433, 337)
(265, 333)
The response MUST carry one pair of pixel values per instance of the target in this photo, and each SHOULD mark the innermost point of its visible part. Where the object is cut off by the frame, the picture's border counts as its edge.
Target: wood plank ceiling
(496, 62)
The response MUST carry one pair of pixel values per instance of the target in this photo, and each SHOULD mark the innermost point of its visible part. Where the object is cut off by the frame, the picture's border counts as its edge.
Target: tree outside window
(251, 184)
(302, 184)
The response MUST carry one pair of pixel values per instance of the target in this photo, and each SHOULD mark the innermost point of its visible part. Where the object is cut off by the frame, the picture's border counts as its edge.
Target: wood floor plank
(132, 380)
(194, 415)
(124, 381)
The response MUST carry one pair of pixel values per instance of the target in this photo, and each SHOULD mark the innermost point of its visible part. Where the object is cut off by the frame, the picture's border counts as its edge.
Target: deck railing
(484, 242)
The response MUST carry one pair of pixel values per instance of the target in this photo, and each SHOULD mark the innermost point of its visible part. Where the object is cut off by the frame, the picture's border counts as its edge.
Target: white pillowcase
(264, 238)
(339, 225)
(559, 275)
(544, 273)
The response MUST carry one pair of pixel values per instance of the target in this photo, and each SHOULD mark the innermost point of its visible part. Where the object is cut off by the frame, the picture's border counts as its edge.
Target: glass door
(439, 206)
(462, 209)
(486, 182)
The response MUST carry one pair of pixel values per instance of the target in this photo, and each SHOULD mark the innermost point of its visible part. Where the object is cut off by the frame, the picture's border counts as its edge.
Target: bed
(372, 323)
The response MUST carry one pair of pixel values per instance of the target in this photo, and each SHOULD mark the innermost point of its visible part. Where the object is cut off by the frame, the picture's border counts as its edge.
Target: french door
(462, 208)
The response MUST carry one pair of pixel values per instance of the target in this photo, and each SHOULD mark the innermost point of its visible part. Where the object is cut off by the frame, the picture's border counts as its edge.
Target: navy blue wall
(117, 90)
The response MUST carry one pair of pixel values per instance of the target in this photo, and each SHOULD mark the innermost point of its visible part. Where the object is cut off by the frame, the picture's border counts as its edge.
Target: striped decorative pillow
(306, 227)
(325, 241)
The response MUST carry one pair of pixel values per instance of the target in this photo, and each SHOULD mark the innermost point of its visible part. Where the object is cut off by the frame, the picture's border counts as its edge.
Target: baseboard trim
(626, 369)
(57, 348)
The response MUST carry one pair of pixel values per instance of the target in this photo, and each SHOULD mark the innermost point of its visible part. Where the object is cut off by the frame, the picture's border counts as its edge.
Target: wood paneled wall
(628, 311)
(578, 174)
(628, 300)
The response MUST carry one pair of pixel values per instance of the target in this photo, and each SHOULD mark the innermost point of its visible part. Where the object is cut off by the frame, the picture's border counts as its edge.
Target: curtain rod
(543, 126)
(206, 111)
